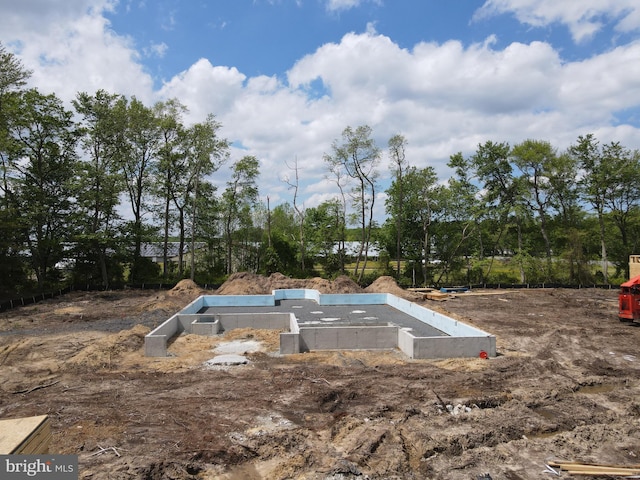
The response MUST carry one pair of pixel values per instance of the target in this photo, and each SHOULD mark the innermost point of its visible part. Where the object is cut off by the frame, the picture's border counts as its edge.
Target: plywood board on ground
(474, 293)
(25, 436)
(437, 296)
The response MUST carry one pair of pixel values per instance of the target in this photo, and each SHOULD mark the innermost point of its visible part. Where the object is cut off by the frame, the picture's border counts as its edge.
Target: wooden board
(634, 265)
(437, 296)
(474, 293)
(26, 436)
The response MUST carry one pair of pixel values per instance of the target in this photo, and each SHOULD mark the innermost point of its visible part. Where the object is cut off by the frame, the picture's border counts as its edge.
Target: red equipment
(629, 300)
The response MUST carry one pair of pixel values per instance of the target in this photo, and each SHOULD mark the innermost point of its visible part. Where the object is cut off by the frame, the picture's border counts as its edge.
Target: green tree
(337, 175)
(211, 261)
(458, 220)
(568, 239)
(358, 156)
(622, 197)
(281, 254)
(594, 186)
(206, 153)
(325, 229)
(170, 172)
(419, 206)
(535, 160)
(499, 192)
(237, 199)
(136, 165)
(299, 209)
(395, 206)
(98, 185)
(13, 77)
(44, 157)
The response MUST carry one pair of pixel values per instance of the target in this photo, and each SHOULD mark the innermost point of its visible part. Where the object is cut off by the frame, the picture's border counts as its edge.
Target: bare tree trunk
(603, 250)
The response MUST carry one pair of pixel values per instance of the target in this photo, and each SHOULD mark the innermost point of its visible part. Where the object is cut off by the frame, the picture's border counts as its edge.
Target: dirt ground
(563, 386)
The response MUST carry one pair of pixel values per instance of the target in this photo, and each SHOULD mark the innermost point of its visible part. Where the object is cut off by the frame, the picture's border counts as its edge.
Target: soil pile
(107, 352)
(245, 283)
(389, 285)
(182, 294)
(187, 287)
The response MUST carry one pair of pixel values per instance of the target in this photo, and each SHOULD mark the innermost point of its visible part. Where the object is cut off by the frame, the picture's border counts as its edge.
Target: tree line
(85, 190)
(552, 216)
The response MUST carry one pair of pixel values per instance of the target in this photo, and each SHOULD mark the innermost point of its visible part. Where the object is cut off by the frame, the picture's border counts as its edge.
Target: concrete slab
(309, 313)
(238, 346)
(313, 321)
(230, 359)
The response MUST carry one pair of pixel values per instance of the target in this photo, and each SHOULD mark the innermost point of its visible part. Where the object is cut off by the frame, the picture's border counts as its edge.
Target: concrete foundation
(395, 323)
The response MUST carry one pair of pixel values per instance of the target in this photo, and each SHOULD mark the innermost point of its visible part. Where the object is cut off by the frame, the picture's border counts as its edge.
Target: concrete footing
(456, 339)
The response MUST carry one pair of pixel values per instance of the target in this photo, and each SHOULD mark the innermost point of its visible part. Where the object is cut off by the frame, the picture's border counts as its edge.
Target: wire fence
(38, 297)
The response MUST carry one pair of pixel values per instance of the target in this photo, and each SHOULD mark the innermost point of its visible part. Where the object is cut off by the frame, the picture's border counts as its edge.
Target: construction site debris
(437, 296)
(595, 469)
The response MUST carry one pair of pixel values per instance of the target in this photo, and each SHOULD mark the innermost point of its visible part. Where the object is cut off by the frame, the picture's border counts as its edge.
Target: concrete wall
(205, 325)
(348, 338)
(296, 294)
(405, 341)
(237, 301)
(267, 320)
(453, 347)
(352, 299)
(290, 341)
(195, 306)
(155, 342)
(445, 347)
(437, 320)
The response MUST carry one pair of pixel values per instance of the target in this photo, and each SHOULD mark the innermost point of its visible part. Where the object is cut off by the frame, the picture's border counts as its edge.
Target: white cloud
(339, 5)
(584, 18)
(205, 89)
(70, 48)
(157, 50)
(443, 97)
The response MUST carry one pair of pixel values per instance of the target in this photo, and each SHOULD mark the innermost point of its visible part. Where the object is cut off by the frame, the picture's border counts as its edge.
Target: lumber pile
(25, 436)
(437, 296)
(595, 469)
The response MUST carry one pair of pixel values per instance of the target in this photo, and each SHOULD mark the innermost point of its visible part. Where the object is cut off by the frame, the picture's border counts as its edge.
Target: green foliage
(146, 270)
(357, 158)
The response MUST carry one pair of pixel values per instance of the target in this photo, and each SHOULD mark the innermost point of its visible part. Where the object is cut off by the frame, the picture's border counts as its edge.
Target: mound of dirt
(344, 284)
(245, 283)
(188, 287)
(184, 292)
(164, 301)
(105, 352)
(389, 285)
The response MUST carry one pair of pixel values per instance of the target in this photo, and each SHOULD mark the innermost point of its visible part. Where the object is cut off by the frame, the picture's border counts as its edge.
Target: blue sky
(262, 37)
(285, 77)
